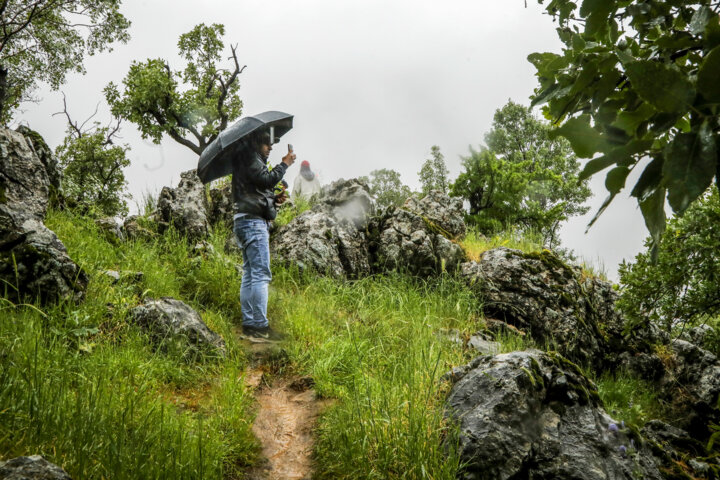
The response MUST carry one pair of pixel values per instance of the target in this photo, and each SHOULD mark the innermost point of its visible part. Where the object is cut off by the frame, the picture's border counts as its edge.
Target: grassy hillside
(87, 389)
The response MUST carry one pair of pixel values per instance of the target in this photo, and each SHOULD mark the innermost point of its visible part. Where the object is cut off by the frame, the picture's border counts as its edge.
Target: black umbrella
(217, 159)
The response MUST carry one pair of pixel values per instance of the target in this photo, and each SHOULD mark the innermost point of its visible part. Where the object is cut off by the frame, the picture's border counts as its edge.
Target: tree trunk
(3, 91)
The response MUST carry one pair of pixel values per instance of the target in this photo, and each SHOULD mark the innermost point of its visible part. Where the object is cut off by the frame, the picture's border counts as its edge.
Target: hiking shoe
(265, 333)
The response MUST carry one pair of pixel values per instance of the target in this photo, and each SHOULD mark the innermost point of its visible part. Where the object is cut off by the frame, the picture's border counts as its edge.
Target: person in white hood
(307, 183)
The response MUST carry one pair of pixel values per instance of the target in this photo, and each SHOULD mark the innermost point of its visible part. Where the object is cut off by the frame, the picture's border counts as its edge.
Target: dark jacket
(253, 184)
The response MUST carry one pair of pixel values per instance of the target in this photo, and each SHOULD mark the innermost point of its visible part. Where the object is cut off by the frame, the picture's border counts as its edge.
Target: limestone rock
(692, 384)
(36, 263)
(33, 261)
(31, 468)
(133, 230)
(534, 415)
(52, 166)
(702, 335)
(111, 229)
(331, 237)
(24, 180)
(417, 237)
(221, 206)
(556, 304)
(185, 207)
(443, 212)
(168, 318)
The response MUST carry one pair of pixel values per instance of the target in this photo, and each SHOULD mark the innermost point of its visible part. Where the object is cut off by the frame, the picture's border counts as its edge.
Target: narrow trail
(288, 409)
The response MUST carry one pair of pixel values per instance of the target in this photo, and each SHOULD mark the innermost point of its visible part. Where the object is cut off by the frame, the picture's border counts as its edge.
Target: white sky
(372, 84)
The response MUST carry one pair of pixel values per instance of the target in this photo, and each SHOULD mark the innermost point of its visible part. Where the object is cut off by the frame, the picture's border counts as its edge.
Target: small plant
(475, 243)
(629, 399)
(288, 212)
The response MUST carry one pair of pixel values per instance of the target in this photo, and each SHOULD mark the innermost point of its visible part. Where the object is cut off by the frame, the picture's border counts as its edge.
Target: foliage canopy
(93, 178)
(638, 79)
(43, 40)
(434, 173)
(523, 179)
(684, 283)
(387, 188)
(154, 99)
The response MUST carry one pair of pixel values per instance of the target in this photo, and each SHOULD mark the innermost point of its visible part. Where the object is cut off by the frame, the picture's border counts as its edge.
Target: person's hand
(289, 159)
(281, 198)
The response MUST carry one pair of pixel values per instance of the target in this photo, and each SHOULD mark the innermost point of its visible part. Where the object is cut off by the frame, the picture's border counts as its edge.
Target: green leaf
(631, 120)
(653, 210)
(547, 63)
(708, 76)
(600, 211)
(584, 139)
(690, 161)
(597, 13)
(649, 180)
(615, 180)
(595, 165)
(700, 20)
(665, 88)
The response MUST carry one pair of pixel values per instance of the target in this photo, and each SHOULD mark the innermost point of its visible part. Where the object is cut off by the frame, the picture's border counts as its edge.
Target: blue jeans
(253, 235)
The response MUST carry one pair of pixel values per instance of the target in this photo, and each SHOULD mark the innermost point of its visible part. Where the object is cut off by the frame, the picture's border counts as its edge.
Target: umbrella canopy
(217, 159)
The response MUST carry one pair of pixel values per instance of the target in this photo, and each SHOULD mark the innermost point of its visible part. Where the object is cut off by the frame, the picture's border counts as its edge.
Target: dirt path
(288, 409)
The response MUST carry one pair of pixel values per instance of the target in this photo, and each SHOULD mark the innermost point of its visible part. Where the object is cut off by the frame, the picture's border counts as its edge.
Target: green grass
(90, 391)
(287, 212)
(87, 389)
(475, 243)
(377, 346)
(629, 399)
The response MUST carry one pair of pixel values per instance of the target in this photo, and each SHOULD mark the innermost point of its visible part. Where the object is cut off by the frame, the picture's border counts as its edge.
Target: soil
(288, 409)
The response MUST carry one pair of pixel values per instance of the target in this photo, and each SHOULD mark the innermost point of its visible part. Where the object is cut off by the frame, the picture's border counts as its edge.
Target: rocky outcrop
(221, 206)
(534, 415)
(331, 237)
(31, 468)
(47, 158)
(418, 238)
(170, 320)
(185, 207)
(691, 383)
(556, 304)
(24, 180)
(33, 261)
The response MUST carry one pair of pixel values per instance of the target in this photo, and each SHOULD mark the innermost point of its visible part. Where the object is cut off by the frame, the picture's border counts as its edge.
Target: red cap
(305, 163)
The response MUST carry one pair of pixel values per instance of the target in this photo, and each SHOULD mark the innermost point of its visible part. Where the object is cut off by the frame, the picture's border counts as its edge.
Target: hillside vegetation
(86, 388)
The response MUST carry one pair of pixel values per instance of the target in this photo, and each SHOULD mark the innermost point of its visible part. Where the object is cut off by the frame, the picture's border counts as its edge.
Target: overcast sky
(372, 84)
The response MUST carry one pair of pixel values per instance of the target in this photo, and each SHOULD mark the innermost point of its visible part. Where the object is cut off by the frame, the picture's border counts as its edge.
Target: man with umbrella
(254, 203)
(242, 150)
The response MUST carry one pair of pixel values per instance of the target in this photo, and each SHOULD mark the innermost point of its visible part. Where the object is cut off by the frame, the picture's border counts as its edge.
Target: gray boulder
(691, 384)
(168, 319)
(442, 212)
(52, 166)
(675, 448)
(417, 238)
(331, 237)
(221, 206)
(533, 415)
(701, 335)
(33, 261)
(185, 207)
(110, 229)
(133, 230)
(31, 468)
(556, 304)
(24, 180)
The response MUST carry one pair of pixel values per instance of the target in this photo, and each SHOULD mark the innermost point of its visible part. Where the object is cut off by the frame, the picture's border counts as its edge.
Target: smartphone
(290, 147)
